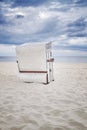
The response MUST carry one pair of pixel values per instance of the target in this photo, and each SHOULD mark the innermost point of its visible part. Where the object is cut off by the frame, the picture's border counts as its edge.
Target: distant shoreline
(62, 59)
(7, 58)
(71, 59)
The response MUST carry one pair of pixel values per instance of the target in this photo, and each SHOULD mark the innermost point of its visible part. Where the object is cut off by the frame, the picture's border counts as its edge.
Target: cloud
(78, 41)
(70, 46)
(79, 23)
(19, 16)
(80, 2)
(77, 28)
(7, 50)
(27, 2)
(61, 21)
(2, 20)
(68, 52)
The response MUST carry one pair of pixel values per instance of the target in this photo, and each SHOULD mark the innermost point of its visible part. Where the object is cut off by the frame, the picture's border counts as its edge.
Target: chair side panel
(31, 58)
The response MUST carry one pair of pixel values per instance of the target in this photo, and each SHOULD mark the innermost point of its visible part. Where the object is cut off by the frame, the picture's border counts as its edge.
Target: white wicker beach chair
(35, 62)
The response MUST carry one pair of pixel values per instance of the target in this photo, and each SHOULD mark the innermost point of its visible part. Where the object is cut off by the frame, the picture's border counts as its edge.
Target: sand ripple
(61, 105)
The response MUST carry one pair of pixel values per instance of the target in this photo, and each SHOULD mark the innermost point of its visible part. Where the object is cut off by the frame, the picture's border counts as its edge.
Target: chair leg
(47, 79)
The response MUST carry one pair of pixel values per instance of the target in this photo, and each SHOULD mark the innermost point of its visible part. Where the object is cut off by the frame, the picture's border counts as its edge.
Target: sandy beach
(60, 105)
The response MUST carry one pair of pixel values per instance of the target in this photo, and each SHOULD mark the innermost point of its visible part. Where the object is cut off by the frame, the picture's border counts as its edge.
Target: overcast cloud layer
(62, 21)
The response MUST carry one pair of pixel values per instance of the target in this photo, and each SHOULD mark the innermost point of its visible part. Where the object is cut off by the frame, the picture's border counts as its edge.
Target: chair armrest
(50, 60)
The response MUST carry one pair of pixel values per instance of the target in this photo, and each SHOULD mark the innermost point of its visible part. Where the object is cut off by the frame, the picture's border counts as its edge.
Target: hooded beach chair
(35, 62)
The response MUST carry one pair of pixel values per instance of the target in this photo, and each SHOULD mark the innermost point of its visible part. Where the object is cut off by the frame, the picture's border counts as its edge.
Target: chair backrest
(48, 50)
(32, 57)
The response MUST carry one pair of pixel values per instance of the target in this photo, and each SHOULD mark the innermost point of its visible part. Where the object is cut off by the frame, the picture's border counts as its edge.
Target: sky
(64, 22)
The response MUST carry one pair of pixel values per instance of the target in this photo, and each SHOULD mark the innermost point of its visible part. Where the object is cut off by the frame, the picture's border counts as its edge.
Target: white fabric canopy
(32, 57)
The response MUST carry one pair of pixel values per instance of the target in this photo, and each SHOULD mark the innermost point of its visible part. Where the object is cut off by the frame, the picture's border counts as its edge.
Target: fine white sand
(60, 105)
